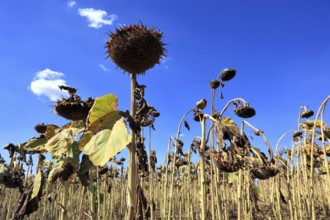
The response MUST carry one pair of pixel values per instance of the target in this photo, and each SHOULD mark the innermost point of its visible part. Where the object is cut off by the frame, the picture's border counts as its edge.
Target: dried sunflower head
(135, 49)
(227, 74)
(245, 111)
(307, 114)
(201, 104)
(214, 84)
(40, 128)
(103, 170)
(297, 134)
(198, 115)
(63, 173)
(264, 172)
(74, 108)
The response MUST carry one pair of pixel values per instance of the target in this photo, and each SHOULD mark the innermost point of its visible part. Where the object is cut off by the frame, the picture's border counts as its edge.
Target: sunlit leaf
(85, 138)
(37, 185)
(232, 177)
(35, 142)
(107, 143)
(62, 141)
(228, 122)
(103, 113)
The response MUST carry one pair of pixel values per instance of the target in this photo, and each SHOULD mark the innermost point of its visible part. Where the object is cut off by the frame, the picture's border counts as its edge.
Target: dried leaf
(186, 125)
(51, 131)
(229, 123)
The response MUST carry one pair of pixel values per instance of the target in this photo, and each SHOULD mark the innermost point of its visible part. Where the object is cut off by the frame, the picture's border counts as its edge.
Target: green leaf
(232, 177)
(74, 153)
(62, 141)
(85, 138)
(107, 143)
(36, 185)
(34, 142)
(103, 113)
(229, 123)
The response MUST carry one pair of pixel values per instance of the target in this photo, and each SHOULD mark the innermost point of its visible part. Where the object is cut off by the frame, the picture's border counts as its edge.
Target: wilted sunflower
(135, 49)
(40, 128)
(297, 134)
(245, 111)
(227, 74)
(307, 114)
(74, 108)
(214, 84)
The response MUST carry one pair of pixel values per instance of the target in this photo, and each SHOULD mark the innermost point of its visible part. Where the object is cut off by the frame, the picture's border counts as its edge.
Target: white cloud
(72, 3)
(46, 82)
(104, 68)
(96, 18)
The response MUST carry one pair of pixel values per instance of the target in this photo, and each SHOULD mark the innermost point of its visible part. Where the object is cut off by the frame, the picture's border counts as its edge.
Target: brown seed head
(135, 49)
(307, 114)
(227, 74)
(40, 128)
(214, 84)
(245, 111)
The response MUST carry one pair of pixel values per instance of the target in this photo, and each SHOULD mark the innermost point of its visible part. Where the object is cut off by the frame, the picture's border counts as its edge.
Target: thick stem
(91, 190)
(132, 173)
(151, 190)
(98, 194)
(64, 202)
(202, 172)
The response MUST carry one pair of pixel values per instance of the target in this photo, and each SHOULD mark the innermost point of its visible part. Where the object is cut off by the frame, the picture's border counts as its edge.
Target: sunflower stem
(202, 172)
(132, 172)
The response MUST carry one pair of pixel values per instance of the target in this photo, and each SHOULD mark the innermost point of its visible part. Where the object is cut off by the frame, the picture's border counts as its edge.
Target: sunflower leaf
(107, 143)
(103, 113)
(37, 185)
(62, 141)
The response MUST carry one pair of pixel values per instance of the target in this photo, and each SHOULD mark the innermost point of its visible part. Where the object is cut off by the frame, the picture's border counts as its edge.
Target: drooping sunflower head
(245, 111)
(40, 128)
(135, 49)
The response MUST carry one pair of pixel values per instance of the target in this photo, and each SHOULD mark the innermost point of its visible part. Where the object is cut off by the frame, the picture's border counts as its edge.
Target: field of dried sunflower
(231, 179)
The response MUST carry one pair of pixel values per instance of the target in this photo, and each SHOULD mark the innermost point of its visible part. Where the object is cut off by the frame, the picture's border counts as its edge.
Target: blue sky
(281, 50)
